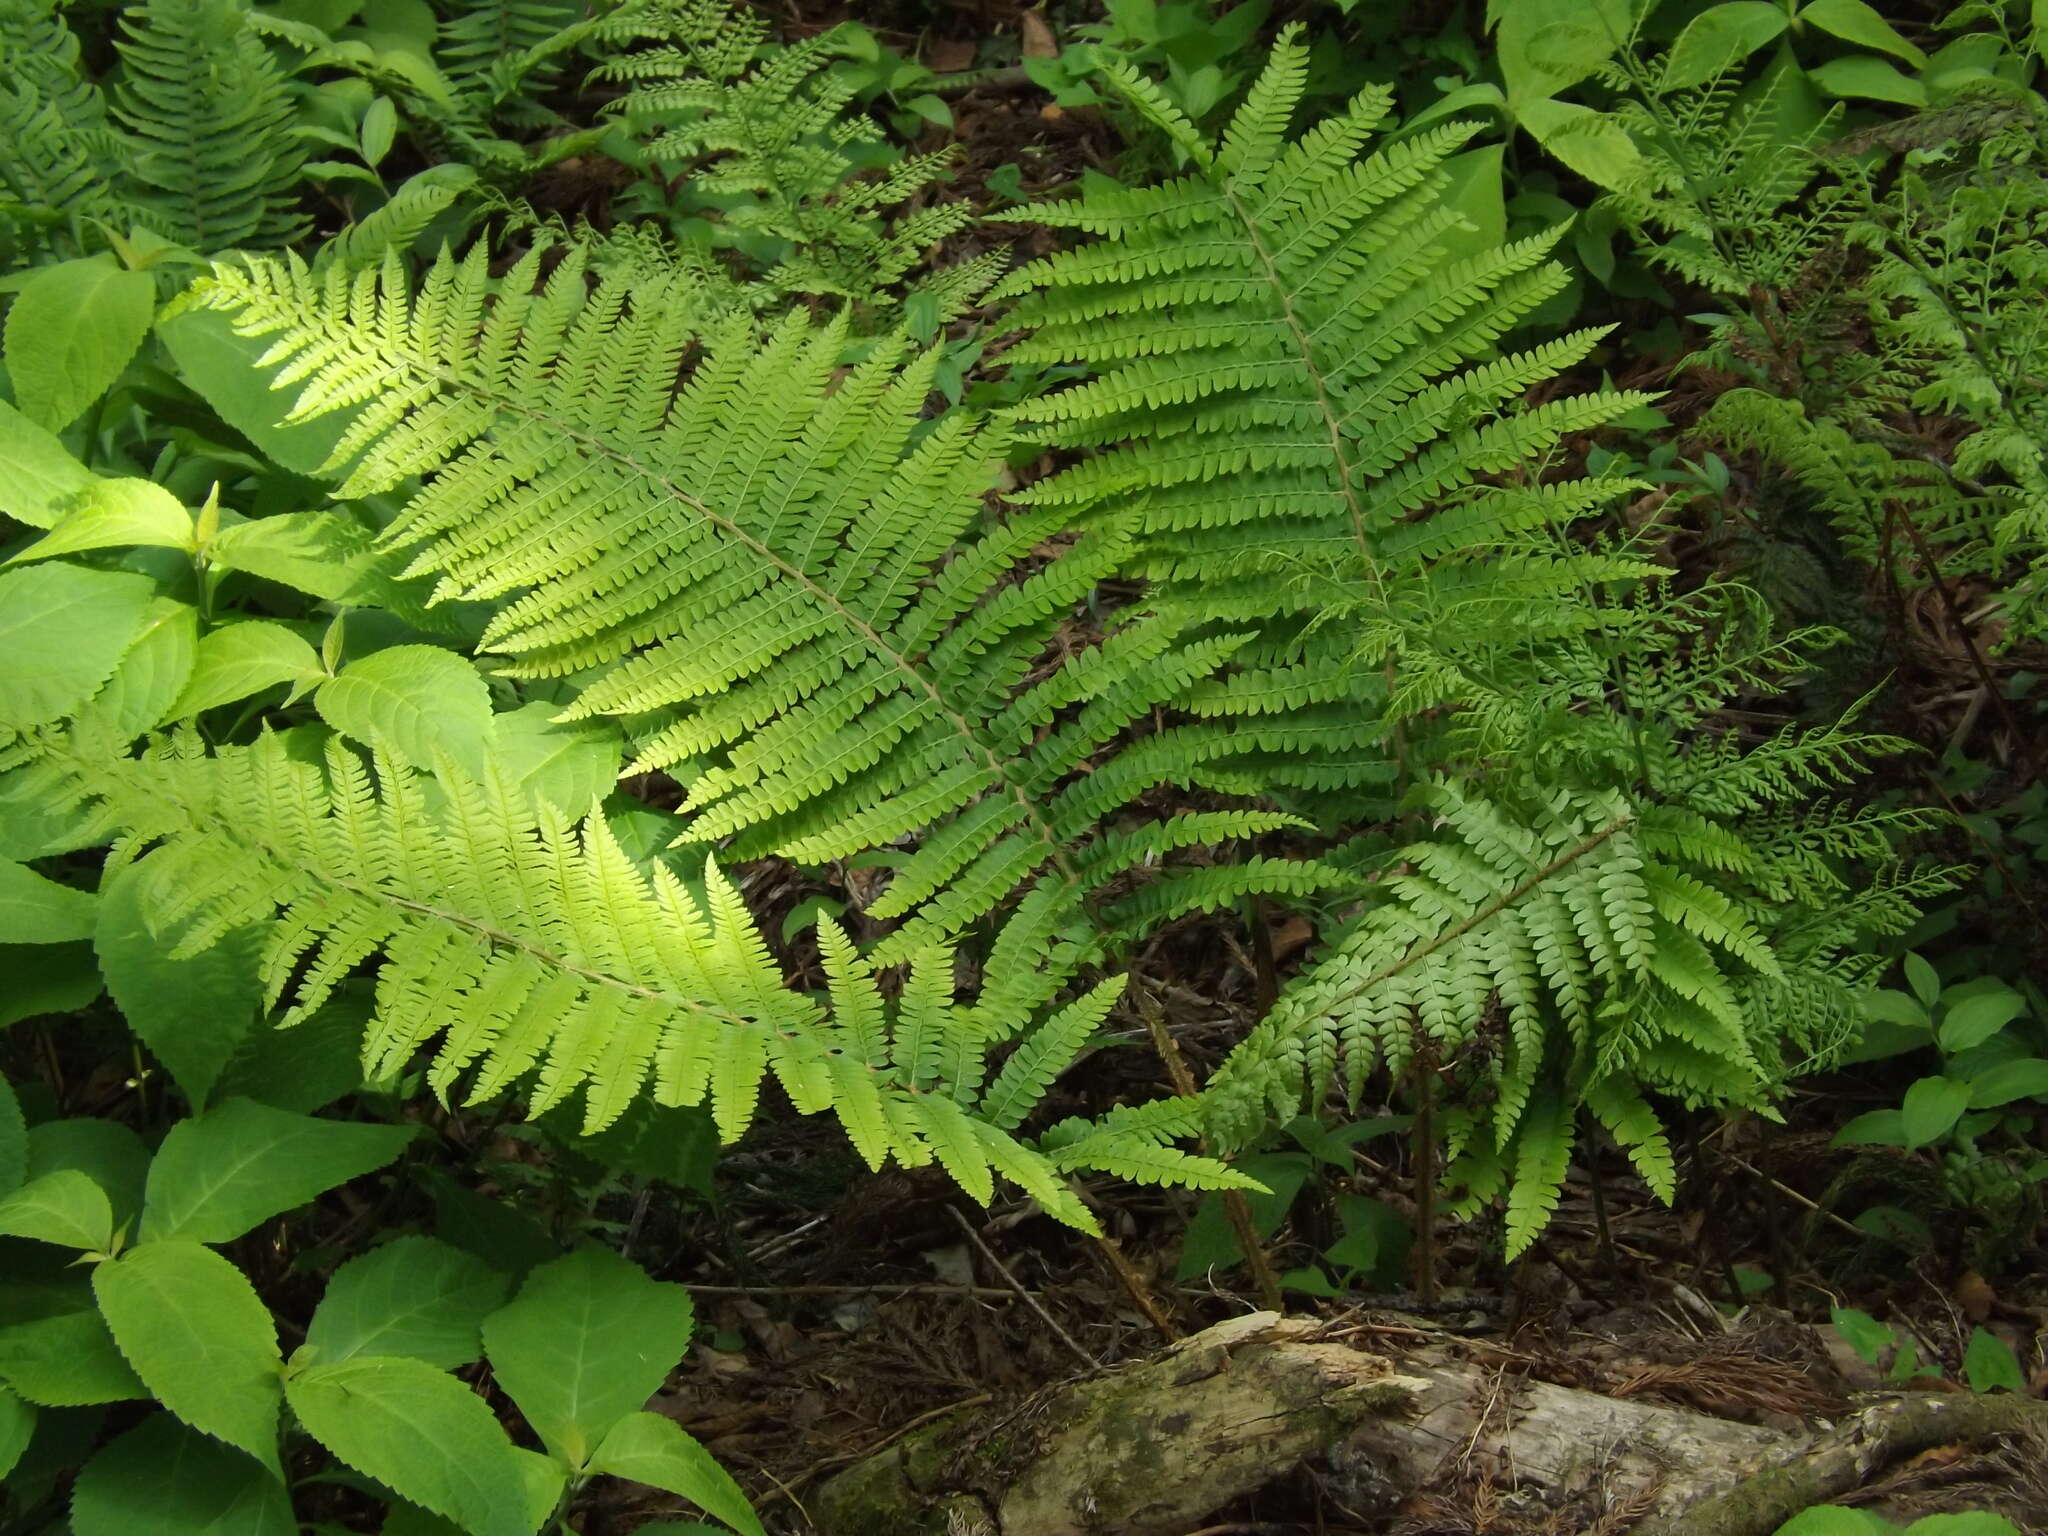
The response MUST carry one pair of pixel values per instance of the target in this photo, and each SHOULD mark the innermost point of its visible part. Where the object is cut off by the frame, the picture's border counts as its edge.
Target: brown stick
(1088, 1362)
(1236, 1209)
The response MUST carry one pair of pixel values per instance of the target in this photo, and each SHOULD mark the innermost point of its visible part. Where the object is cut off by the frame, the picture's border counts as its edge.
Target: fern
(1615, 897)
(57, 146)
(1280, 340)
(773, 153)
(515, 944)
(775, 579)
(216, 163)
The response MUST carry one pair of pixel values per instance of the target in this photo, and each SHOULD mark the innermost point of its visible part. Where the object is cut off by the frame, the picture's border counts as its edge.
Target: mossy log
(1151, 1449)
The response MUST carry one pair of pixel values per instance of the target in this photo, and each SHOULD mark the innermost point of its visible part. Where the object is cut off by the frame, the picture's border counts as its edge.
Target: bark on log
(1150, 1449)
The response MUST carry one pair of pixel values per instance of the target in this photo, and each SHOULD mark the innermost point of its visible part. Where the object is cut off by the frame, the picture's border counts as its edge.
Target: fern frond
(1294, 384)
(773, 575)
(209, 109)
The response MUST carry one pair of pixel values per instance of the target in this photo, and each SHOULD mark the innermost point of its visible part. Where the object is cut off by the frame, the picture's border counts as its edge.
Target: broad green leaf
(1969, 1522)
(1875, 1128)
(219, 1174)
(1862, 1333)
(1923, 979)
(1546, 45)
(422, 1434)
(105, 1151)
(66, 1208)
(35, 909)
(1862, 76)
(1592, 143)
(13, 1140)
(415, 1297)
(303, 1068)
(71, 330)
(654, 1450)
(168, 1480)
(2026, 1078)
(413, 701)
(153, 672)
(200, 1339)
(570, 765)
(237, 660)
(55, 1349)
(1989, 1364)
(1931, 1107)
(116, 514)
(192, 1012)
(1718, 37)
(1835, 1520)
(222, 367)
(323, 553)
(1976, 1019)
(17, 1423)
(39, 979)
(37, 477)
(589, 1339)
(1854, 22)
(63, 629)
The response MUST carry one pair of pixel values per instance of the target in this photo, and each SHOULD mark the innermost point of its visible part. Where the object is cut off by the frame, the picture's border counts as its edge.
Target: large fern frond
(777, 576)
(211, 114)
(514, 945)
(1285, 395)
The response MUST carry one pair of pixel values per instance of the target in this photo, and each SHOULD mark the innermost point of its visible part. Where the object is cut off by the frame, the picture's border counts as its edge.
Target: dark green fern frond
(1616, 896)
(216, 160)
(776, 576)
(57, 148)
(502, 53)
(770, 144)
(1289, 392)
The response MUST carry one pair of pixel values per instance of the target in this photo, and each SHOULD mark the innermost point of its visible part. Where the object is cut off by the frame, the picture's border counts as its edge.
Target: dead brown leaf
(1037, 41)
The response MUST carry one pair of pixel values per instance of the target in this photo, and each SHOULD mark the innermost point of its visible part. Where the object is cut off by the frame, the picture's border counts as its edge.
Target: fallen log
(1151, 1449)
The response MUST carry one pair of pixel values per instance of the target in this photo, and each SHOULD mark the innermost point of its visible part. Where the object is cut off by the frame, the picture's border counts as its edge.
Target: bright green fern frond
(774, 574)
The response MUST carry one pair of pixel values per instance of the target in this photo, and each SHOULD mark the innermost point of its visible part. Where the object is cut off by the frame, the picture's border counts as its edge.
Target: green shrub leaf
(37, 910)
(37, 477)
(192, 1326)
(115, 514)
(237, 660)
(65, 1208)
(1989, 1364)
(17, 1423)
(55, 1349)
(191, 1012)
(1976, 1019)
(13, 1140)
(423, 1434)
(169, 1480)
(220, 1173)
(1932, 1107)
(1718, 37)
(1854, 22)
(2009, 1080)
(415, 1297)
(654, 1450)
(72, 329)
(63, 630)
(588, 1340)
(413, 700)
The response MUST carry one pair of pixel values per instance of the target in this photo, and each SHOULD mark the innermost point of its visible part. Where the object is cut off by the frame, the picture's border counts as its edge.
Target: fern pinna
(520, 944)
(1280, 339)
